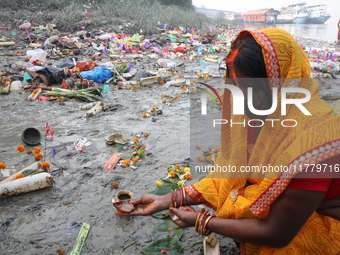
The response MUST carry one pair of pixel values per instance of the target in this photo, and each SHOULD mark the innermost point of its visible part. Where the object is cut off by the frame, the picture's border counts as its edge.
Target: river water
(327, 31)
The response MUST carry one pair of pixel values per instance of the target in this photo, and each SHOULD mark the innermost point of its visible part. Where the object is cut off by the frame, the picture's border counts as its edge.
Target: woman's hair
(246, 57)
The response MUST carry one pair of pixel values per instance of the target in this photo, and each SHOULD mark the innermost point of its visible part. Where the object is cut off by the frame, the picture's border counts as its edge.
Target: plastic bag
(98, 74)
(38, 58)
(330, 66)
(141, 74)
(50, 42)
(166, 63)
(53, 75)
(25, 26)
(68, 63)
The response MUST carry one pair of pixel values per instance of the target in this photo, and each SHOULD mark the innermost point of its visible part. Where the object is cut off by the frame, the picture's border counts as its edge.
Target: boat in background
(299, 13)
(294, 13)
(317, 14)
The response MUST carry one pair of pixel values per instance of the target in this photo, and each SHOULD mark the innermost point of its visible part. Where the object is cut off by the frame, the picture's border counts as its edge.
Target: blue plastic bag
(98, 74)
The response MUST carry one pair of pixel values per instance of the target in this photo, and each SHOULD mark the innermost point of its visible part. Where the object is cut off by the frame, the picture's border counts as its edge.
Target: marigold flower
(126, 162)
(19, 176)
(171, 100)
(159, 183)
(20, 148)
(38, 156)
(142, 148)
(178, 166)
(187, 170)
(163, 101)
(114, 184)
(37, 150)
(2, 165)
(199, 159)
(180, 76)
(180, 184)
(145, 114)
(163, 96)
(45, 165)
(135, 139)
(209, 158)
(188, 176)
(146, 134)
(172, 174)
(135, 147)
(60, 252)
(135, 159)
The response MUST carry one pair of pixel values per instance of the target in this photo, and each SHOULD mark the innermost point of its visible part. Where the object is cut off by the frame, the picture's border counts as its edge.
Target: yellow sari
(315, 139)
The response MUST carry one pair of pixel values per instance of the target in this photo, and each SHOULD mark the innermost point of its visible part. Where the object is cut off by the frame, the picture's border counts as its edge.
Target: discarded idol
(122, 201)
(116, 138)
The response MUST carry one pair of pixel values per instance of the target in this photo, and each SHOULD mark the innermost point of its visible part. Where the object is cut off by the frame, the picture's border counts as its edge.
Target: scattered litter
(81, 238)
(112, 162)
(81, 144)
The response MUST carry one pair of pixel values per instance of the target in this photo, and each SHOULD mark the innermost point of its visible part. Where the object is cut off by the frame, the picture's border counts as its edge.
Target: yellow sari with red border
(315, 139)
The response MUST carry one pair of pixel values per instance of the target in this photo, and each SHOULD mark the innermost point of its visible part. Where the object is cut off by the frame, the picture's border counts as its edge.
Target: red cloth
(328, 181)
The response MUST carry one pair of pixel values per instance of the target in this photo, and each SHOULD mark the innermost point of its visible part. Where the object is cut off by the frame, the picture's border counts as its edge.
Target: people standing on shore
(272, 212)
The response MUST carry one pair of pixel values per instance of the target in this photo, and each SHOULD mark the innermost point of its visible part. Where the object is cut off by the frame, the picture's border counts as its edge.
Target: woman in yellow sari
(268, 212)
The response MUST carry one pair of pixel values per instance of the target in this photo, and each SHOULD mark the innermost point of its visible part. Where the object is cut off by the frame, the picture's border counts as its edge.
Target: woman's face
(261, 100)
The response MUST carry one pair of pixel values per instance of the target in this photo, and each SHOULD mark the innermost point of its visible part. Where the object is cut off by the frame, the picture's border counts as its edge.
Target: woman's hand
(183, 219)
(149, 204)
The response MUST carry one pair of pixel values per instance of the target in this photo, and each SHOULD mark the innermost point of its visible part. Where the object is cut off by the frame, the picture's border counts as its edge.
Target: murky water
(327, 31)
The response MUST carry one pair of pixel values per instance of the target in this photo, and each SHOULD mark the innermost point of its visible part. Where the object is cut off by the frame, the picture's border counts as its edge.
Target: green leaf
(162, 214)
(162, 230)
(141, 153)
(29, 171)
(164, 189)
(119, 146)
(171, 168)
(171, 245)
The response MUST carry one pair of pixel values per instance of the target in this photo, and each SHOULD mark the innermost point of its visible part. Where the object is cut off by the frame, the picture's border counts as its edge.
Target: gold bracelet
(204, 230)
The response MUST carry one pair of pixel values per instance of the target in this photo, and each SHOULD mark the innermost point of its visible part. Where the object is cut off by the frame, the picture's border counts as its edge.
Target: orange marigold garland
(2, 165)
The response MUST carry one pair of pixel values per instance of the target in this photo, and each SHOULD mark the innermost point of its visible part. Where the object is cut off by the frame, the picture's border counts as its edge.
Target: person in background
(338, 37)
(284, 212)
